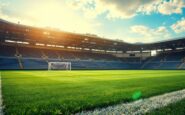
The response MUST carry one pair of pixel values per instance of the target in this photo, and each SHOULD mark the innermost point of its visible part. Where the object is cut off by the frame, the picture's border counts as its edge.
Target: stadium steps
(20, 62)
(19, 58)
(147, 62)
(162, 61)
(44, 56)
(160, 64)
(181, 65)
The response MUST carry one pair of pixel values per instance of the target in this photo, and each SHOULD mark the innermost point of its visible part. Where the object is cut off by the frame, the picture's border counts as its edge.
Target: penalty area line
(1, 99)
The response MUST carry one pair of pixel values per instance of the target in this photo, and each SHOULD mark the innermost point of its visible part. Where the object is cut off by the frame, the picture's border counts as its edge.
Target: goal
(59, 65)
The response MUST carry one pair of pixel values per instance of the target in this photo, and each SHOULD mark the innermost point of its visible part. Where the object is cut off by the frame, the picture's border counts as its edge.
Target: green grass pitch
(66, 92)
(177, 108)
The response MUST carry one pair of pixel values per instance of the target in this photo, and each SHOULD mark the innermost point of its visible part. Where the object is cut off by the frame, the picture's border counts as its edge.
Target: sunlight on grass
(66, 92)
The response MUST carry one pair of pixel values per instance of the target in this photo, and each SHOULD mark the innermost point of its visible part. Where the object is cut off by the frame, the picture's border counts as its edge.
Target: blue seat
(34, 64)
(8, 63)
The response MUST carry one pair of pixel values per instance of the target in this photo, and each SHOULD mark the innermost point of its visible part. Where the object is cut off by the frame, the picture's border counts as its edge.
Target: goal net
(59, 65)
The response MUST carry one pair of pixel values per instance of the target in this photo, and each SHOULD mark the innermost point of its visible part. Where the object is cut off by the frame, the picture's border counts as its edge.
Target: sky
(133, 21)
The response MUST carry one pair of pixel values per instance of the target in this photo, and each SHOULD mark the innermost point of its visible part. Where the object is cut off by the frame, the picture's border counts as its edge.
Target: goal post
(59, 65)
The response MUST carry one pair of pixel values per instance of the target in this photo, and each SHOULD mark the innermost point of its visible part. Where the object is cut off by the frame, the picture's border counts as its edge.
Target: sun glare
(53, 14)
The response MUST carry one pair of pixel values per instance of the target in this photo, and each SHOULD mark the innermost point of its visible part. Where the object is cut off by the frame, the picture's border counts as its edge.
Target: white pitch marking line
(139, 107)
(1, 100)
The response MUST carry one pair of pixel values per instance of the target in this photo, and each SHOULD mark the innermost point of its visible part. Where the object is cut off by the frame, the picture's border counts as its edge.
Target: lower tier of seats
(11, 63)
(38, 63)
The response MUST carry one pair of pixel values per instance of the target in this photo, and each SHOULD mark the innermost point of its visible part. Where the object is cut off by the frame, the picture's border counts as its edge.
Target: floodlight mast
(59, 66)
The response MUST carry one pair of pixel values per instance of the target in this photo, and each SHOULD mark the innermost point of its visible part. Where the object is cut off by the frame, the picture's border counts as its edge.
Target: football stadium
(46, 71)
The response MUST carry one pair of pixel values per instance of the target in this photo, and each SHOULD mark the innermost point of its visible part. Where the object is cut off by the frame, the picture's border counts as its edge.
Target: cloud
(173, 6)
(113, 8)
(149, 34)
(125, 9)
(179, 26)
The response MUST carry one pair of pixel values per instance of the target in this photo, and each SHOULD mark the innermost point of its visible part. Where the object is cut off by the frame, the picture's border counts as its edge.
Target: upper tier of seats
(59, 54)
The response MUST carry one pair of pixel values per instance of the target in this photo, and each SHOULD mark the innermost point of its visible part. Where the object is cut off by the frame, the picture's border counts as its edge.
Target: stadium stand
(25, 47)
(166, 60)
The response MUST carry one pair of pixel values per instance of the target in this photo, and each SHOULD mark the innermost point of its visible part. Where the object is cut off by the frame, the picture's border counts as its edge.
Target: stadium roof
(17, 32)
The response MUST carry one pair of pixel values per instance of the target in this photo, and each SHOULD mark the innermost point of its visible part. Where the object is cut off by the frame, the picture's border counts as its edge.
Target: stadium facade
(26, 47)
